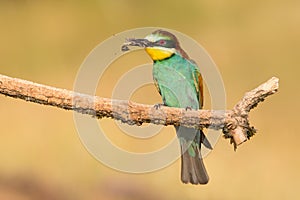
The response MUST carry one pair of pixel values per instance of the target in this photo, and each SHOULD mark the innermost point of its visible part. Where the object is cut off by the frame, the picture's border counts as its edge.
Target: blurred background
(41, 156)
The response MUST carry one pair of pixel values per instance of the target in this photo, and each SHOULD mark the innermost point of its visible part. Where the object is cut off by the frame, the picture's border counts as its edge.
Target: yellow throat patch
(159, 53)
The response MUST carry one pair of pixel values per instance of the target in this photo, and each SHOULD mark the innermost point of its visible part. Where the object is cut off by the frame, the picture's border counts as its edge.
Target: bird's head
(163, 45)
(159, 45)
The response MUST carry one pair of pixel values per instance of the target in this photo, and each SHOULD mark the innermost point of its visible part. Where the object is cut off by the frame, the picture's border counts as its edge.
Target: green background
(41, 156)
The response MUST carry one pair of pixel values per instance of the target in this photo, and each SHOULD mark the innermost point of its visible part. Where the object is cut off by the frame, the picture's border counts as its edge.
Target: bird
(180, 84)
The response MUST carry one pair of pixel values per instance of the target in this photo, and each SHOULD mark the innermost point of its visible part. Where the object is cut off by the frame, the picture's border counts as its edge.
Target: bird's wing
(157, 86)
(198, 82)
(200, 85)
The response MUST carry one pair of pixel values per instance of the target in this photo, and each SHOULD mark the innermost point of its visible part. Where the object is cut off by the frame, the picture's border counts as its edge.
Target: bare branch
(234, 123)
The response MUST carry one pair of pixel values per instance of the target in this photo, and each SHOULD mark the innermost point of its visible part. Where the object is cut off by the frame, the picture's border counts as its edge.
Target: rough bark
(234, 123)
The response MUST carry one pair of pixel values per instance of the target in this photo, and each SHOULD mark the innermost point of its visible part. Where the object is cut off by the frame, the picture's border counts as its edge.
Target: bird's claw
(158, 106)
(188, 108)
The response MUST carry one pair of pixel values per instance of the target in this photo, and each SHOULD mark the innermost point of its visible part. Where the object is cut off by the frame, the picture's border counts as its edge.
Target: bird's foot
(188, 108)
(158, 105)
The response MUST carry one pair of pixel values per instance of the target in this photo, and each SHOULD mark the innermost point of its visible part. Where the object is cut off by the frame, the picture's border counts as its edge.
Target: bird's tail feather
(192, 167)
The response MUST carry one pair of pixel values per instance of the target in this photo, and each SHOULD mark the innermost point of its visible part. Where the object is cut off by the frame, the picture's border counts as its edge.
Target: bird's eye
(162, 42)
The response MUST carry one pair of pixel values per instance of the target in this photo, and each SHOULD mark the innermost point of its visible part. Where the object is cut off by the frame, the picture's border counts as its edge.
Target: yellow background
(41, 155)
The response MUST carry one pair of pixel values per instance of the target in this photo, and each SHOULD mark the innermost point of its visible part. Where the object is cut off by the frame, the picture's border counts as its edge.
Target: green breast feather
(175, 80)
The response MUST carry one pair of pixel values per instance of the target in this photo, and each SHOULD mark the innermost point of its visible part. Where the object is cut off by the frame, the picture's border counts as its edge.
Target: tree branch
(234, 123)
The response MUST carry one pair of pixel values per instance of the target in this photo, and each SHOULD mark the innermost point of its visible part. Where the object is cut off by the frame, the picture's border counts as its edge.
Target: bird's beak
(135, 42)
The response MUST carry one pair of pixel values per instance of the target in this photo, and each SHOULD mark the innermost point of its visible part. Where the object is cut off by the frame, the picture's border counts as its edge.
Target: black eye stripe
(165, 43)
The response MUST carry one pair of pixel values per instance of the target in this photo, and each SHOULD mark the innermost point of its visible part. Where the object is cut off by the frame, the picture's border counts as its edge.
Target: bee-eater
(179, 82)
